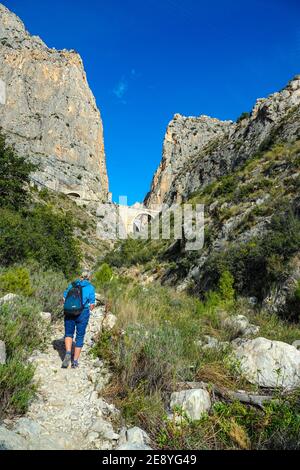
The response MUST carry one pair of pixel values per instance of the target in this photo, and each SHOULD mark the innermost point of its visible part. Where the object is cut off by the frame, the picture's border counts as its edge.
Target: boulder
(269, 363)
(237, 324)
(104, 429)
(46, 317)
(138, 436)
(28, 428)
(9, 298)
(9, 440)
(193, 402)
(109, 322)
(2, 353)
(210, 343)
(240, 325)
(252, 330)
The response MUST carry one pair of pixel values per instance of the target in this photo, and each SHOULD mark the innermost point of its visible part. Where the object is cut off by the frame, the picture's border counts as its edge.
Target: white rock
(2, 353)
(209, 343)
(92, 436)
(92, 376)
(252, 330)
(122, 436)
(236, 323)
(46, 316)
(269, 363)
(137, 435)
(27, 427)
(9, 298)
(194, 402)
(240, 325)
(9, 440)
(93, 396)
(105, 429)
(98, 312)
(109, 322)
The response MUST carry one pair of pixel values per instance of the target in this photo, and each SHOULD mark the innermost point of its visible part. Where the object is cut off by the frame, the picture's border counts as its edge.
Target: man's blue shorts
(78, 324)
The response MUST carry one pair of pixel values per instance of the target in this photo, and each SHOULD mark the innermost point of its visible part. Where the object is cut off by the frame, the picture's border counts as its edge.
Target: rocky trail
(68, 412)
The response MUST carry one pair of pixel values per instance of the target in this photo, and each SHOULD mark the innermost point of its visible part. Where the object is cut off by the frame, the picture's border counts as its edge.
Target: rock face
(269, 364)
(135, 439)
(197, 150)
(185, 138)
(50, 114)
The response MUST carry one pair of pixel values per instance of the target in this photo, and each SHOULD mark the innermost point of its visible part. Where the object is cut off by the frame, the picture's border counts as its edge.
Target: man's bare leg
(77, 353)
(68, 344)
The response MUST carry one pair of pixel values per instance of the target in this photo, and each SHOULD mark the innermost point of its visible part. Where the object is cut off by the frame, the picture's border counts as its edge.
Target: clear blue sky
(149, 59)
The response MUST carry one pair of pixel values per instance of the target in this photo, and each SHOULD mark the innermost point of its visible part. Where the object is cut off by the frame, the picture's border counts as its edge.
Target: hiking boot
(66, 361)
(75, 365)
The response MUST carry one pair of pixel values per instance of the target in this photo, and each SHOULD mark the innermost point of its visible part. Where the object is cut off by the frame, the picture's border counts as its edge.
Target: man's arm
(92, 299)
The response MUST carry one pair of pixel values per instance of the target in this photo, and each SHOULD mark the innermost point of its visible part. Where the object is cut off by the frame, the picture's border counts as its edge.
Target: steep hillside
(247, 177)
(205, 348)
(50, 113)
(84, 221)
(199, 150)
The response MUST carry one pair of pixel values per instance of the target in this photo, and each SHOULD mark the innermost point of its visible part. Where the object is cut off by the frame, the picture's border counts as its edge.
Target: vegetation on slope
(155, 346)
(38, 251)
(253, 214)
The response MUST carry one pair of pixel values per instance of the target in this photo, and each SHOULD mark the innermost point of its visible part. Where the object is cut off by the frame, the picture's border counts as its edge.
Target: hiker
(79, 301)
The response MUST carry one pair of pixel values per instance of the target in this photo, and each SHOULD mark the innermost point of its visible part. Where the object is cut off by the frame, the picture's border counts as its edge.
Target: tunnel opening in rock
(74, 195)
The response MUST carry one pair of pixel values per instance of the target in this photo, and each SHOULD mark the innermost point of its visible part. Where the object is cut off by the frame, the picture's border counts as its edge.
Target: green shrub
(297, 292)
(17, 281)
(14, 176)
(226, 186)
(291, 309)
(140, 407)
(40, 234)
(103, 275)
(16, 387)
(13, 231)
(51, 241)
(48, 286)
(20, 327)
(44, 194)
(135, 251)
(243, 116)
(226, 289)
(258, 264)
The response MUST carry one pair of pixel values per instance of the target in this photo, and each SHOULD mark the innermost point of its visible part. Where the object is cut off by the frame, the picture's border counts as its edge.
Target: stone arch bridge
(135, 217)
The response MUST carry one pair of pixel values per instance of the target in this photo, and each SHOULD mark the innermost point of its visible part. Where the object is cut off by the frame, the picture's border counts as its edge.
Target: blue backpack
(73, 303)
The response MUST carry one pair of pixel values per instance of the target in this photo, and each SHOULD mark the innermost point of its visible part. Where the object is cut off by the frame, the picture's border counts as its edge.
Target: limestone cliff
(50, 113)
(197, 150)
(185, 137)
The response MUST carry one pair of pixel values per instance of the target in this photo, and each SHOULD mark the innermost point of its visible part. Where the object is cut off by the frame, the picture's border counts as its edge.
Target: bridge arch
(134, 217)
(141, 220)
